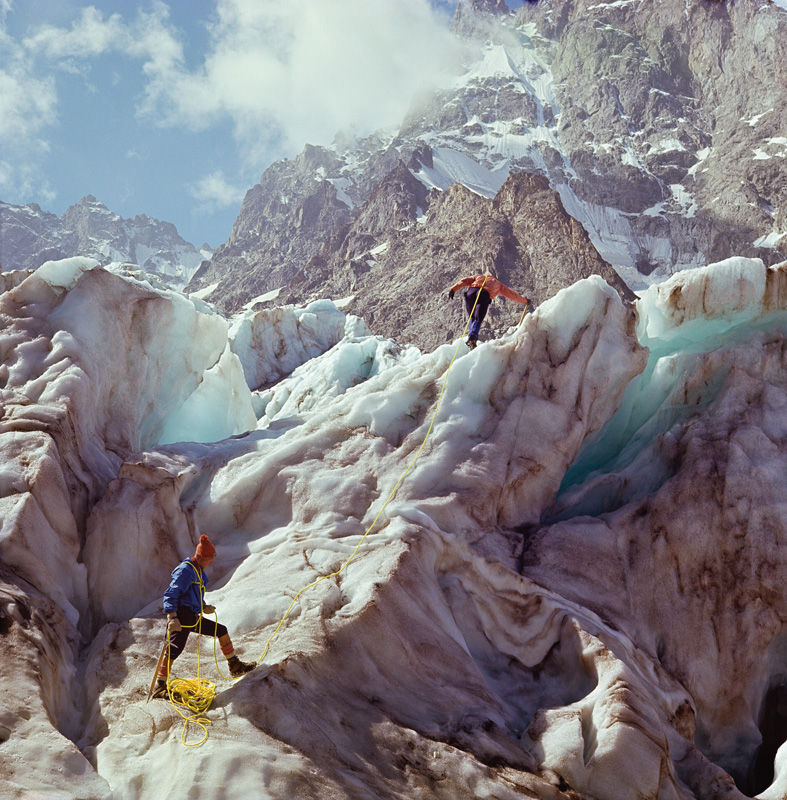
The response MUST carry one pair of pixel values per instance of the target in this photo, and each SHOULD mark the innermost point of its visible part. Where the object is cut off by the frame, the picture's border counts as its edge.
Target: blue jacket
(185, 588)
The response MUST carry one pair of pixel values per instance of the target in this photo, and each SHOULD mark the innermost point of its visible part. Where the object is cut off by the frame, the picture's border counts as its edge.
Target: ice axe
(528, 307)
(155, 672)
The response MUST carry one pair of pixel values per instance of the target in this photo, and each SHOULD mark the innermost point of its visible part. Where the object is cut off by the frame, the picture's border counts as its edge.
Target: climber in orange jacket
(492, 287)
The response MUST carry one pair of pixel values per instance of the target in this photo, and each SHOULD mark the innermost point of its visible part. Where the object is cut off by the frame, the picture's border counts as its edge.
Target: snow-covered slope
(573, 586)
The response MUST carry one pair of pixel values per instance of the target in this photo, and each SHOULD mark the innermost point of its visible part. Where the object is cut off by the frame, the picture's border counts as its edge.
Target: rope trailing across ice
(195, 695)
(390, 496)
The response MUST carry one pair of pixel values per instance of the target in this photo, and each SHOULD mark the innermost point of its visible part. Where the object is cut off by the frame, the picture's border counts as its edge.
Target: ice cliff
(576, 591)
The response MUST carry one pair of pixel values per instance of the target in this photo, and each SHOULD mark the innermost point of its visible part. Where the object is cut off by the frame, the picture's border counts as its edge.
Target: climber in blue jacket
(184, 603)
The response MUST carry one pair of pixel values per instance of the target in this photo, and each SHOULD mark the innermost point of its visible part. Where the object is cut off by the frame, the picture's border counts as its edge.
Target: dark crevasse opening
(748, 754)
(773, 727)
(758, 775)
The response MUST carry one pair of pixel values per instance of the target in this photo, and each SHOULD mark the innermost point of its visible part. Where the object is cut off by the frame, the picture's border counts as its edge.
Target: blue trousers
(481, 307)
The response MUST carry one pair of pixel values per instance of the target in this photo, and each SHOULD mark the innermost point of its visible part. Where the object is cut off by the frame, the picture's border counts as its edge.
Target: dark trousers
(481, 307)
(190, 621)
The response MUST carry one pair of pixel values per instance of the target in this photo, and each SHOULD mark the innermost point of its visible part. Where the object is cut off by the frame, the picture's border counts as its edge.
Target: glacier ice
(578, 583)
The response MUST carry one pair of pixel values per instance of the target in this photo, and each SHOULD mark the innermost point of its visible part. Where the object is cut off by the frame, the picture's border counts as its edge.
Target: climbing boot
(160, 690)
(471, 343)
(238, 667)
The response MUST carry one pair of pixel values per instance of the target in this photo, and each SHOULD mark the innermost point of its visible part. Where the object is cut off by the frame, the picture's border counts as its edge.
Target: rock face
(673, 114)
(29, 237)
(660, 125)
(398, 271)
(287, 217)
(468, 12)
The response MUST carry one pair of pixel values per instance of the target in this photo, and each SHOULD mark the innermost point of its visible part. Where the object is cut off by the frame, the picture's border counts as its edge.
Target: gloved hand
(173, 623)
(208, 609)
(451, 294)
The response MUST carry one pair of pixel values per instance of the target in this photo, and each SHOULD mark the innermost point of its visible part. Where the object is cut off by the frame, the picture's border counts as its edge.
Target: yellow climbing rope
(191, 698)
(390, 496)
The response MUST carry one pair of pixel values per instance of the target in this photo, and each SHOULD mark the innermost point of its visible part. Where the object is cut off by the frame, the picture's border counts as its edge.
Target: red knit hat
(205, 547)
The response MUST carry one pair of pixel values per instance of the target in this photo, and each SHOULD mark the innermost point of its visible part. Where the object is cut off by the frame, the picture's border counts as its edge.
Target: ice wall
(272, 343)
(94, 368)
(575, 587)
(696, 331)
(681, 501)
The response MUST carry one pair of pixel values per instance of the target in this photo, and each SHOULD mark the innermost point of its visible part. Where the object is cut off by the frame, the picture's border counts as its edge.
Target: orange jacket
(492, 285)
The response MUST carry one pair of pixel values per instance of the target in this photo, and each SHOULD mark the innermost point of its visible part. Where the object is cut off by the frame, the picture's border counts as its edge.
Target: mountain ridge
(30, 236)
(610, 102)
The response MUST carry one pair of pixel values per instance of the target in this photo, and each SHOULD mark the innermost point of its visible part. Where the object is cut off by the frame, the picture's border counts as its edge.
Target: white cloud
(28, 102)
(280, 73)
(300, 71)
(294, 72)
(28, 106)
(90, 35)
(150, 37)
(214, 192)
(21, 182)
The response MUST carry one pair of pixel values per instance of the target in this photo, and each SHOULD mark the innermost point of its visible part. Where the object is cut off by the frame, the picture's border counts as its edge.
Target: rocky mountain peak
(394, 202)
(520, 186)
(90, 214)
(470, 14)
(482, 7)
(29, 237)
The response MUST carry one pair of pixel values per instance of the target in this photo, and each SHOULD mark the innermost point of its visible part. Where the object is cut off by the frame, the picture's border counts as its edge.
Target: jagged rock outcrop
(468, 11)
(30, 236)
(661, 126)
(398, 265)
(286, 218)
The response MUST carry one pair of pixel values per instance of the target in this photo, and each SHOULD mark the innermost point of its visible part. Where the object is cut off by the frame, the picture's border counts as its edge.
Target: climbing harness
(196, 695)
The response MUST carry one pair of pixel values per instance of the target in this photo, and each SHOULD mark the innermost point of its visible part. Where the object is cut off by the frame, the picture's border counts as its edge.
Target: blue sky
(175, 108)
